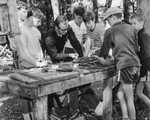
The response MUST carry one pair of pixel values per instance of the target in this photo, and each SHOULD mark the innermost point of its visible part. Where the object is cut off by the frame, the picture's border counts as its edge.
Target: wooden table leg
(41, 108)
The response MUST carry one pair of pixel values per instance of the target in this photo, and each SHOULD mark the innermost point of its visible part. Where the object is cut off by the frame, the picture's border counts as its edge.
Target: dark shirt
(144, 43)
(122, 38)
(55, 45)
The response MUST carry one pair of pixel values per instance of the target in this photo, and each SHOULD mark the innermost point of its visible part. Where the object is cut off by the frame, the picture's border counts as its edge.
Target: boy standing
(137, 21)
(121, 37)
(78, 27)
(28, 47)
(94, 36)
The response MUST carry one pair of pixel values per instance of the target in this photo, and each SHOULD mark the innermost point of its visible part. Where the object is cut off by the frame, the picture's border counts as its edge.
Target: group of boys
(86, 37)
(28, 45)
(83, 36)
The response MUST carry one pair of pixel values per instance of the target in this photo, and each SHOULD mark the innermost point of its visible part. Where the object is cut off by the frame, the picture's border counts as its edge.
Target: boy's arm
(52, 50)
(104, 51)
(74, 42)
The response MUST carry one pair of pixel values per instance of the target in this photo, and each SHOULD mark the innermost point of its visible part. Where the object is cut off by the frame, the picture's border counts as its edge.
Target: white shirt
(78, 30)
(29, 46)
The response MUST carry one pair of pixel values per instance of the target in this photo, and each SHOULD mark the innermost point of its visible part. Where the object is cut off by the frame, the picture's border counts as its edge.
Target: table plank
(37, 77)
(42, 78)
(75, 82)
(38, 84)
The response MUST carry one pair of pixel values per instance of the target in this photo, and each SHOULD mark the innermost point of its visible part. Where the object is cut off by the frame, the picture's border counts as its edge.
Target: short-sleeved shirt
(94, 39)
(79, 31)
(31, 38)
(96, 35)
(122, 38)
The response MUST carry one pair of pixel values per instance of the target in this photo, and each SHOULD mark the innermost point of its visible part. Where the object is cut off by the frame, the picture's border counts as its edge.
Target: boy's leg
(148, 89)
(129, 95)
(129, 76)
(140, 94)
(148, 85)
(123, 104)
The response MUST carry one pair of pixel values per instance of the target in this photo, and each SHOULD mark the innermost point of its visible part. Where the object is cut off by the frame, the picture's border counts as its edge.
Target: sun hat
(112, 11)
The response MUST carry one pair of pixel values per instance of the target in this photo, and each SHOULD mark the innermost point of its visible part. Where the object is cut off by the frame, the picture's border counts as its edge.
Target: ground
(12, 109)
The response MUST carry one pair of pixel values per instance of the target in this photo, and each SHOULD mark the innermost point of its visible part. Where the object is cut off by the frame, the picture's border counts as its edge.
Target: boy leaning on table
(121, 37)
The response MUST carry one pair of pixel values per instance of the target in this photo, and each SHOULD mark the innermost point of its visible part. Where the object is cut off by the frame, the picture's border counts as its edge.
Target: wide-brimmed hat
(112, 11)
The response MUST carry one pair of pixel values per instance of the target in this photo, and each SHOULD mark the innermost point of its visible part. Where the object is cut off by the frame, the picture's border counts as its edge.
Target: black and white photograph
(74, 60)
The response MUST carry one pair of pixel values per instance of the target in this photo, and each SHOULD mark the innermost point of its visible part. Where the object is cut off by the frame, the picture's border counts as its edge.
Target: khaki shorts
(129, 75)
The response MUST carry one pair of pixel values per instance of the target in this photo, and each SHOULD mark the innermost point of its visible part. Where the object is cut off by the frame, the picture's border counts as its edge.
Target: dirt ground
(13, 108)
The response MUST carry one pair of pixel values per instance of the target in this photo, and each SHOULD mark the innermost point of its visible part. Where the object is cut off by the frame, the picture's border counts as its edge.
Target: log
(13, 18)
(4, 21)
(9, 18)
(9, 21)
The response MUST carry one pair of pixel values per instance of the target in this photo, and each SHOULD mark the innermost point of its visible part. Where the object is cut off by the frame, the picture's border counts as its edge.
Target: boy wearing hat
(121, 38)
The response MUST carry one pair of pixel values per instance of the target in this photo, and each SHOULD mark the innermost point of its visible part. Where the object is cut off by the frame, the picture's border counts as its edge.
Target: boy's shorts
(145, 78)
(144, 74)
(143, 71)
(129, 75)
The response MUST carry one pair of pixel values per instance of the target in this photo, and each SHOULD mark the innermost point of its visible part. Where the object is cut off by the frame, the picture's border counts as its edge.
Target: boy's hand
(41, 63)
(73, 55)
(101, 59)
(4, 33)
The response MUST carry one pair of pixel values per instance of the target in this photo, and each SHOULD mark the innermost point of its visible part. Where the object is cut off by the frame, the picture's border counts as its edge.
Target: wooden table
(35, 85)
